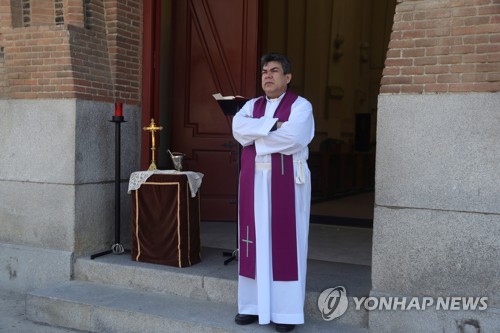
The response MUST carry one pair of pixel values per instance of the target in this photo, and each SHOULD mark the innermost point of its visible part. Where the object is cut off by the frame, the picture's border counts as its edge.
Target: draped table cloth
(165, 217)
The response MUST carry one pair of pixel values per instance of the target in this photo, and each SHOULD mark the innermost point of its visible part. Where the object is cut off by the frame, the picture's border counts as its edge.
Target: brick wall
(5, 19)
(3, 82)
(83, 49)
(38, 63)
(5, 10)
(444, 46)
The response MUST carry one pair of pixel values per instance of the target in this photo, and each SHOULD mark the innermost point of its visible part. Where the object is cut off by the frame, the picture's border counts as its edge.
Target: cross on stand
(152, 128)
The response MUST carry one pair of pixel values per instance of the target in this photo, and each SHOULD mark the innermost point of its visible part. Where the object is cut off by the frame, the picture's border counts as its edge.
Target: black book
(230, 104)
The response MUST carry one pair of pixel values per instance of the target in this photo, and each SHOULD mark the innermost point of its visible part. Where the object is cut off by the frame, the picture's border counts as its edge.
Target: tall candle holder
(118, 119)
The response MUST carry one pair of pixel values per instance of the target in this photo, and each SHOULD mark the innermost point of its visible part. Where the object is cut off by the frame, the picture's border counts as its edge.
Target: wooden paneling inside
(337, 49)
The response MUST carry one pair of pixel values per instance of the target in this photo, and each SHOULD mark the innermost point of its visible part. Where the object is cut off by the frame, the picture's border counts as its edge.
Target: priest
(274, 200)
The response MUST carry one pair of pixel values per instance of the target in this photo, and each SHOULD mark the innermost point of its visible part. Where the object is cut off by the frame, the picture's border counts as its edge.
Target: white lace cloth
(140, 177)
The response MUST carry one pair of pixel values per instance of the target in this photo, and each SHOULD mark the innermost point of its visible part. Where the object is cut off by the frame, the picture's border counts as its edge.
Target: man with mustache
(274, 200)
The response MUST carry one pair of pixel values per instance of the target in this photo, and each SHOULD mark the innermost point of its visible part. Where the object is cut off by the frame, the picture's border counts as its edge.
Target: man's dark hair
(283, 60)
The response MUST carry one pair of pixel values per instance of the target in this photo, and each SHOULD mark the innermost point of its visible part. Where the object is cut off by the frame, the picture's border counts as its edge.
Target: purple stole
(283, 225)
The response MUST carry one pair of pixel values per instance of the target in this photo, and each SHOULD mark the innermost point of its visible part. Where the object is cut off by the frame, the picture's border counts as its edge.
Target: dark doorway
(337, 49)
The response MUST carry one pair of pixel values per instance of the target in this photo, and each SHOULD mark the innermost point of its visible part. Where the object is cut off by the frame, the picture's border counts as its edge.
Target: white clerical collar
(277, 99)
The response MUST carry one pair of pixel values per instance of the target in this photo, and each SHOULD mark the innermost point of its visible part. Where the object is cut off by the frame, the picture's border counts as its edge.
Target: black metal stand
(230, 107)
(234, 255)
(116, 248)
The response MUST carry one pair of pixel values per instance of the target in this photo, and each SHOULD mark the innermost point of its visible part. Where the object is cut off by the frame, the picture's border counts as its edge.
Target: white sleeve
(294, 134)
(247, 129)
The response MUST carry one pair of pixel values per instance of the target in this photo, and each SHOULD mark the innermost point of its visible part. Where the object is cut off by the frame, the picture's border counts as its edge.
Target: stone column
(437, 214)
(59, 80)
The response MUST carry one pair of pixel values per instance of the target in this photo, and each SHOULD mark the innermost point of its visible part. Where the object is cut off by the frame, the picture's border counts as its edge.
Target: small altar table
(165, 217)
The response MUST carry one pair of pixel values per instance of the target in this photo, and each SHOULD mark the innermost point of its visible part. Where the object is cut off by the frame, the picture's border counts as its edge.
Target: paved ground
(13, 318)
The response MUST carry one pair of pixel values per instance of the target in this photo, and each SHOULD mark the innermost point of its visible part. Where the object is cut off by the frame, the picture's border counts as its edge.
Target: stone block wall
(63, 63)
(437, 211)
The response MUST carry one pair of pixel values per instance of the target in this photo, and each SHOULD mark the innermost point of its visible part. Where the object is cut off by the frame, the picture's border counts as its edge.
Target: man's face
(274, 81)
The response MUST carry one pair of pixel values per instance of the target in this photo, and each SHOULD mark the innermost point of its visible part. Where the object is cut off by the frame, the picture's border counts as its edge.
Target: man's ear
(288, 77)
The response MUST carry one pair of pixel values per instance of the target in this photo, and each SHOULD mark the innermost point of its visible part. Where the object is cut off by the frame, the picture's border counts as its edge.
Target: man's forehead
(272, 64)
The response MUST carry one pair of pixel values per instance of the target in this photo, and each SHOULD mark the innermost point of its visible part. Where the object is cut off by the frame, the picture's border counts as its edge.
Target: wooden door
(214, 50)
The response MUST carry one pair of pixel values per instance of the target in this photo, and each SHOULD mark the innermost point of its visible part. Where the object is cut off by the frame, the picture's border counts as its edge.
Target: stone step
(96, 307)
(212, 281)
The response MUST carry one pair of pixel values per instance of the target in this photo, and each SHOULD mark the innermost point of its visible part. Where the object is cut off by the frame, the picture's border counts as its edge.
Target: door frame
(150, 73)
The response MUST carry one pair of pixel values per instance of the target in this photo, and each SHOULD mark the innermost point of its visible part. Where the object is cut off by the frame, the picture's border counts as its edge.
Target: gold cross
(152, 128)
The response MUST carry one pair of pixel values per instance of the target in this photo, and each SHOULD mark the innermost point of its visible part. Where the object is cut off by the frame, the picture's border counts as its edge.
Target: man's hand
(276, 126)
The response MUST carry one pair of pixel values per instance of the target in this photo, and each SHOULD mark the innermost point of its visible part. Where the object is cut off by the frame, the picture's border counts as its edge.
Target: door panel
(215, 50)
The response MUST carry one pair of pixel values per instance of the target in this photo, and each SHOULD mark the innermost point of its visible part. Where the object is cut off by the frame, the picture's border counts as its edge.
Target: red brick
(476, 39)
(438, 32)
(462, 49)
(457, 31)
(398, 62)
(423, 42)
(413, 53)
(493, 77)
(393, 53)
(412, 89)
(425, 61)
(487, 87)
(422, 79)
(405, 7)
(460, 87)
(495, 57)
(428, 24)
(396, 80)
(390, 89)
(475, 58)
(448, 78)
(464, 11)
(487, 29)
(403, 26)
(438, 13)
(463, 68)
(477, 2)
(440, 69)
(477, 20)
(488, 48)
(438, 50)
(392, 71)
(473, 77)
(458, 22)
(409, 34)
(412, 70)
(405, 16)
(489, 10)
(488, 67)
(450, 40)
(436, 87)
(449, 59)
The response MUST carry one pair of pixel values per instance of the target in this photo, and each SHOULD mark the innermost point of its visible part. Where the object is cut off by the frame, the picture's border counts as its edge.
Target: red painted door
(215, 49)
